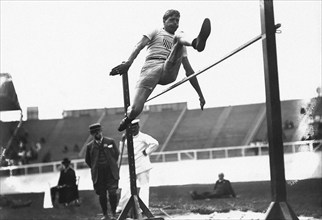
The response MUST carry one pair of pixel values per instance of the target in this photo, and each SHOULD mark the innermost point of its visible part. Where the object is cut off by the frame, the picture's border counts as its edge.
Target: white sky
(60, 53)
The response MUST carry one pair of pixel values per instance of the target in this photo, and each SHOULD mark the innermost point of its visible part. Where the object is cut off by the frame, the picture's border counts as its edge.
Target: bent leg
(213, 195)
(149, 78)
(172, 65)
(140, 97)
(197, 196)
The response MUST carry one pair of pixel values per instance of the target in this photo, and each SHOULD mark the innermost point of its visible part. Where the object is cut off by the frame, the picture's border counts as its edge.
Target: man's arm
(152, 145)
(124, 67)
(116, 150)
(61, 179)
(232, 192)
(194, 81)
(216, 184)
(88, 157)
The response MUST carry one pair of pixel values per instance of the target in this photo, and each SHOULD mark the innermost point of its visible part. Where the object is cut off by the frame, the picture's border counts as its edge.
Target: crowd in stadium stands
(314, 130)
(26, 152)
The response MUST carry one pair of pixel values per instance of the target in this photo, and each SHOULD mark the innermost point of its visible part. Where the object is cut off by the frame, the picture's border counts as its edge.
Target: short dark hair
(169, 13)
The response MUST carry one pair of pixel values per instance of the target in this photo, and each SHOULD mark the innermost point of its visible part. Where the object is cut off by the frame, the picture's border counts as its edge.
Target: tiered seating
(110, 124)
(6, 130)
(237, 125)
(290, 111)
(159, 124)
(69, 132)
(213, 127)
(194, 129)
(38, 129)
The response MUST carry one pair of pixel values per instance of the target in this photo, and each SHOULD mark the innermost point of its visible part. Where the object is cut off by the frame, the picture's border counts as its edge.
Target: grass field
(305, 198)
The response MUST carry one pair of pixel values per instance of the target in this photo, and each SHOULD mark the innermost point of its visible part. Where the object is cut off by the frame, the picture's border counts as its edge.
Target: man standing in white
(143, 145)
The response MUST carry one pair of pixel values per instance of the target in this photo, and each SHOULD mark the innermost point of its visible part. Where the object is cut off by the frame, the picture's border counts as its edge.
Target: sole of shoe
(203, 35)
(123, 125)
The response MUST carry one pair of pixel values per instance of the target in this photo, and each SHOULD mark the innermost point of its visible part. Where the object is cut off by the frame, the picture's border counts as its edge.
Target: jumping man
(166, 51)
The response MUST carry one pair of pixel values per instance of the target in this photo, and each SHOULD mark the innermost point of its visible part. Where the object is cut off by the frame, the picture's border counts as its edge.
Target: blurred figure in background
(222, 189)
(67, 188)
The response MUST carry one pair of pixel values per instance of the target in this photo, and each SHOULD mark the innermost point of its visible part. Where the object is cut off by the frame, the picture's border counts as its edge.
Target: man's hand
(202, 102)
(120, 69)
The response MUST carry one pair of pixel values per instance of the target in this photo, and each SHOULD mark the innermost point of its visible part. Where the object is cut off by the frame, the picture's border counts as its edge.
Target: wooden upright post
(134, 203)
(278, 209)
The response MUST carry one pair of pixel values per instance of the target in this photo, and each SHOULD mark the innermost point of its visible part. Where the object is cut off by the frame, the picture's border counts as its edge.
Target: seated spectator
(222, 189)
(67, 188)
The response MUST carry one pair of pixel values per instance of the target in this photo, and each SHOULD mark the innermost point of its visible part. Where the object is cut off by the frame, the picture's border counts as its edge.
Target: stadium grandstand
(175, 127)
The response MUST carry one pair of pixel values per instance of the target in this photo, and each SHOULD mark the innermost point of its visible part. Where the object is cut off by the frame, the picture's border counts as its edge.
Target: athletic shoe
(124, 123)
(199, 43)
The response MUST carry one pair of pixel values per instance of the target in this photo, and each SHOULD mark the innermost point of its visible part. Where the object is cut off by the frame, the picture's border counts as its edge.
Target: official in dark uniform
(101, 156)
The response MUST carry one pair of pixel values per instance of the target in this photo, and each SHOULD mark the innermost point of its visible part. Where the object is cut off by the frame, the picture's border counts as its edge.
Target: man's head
(135, 126)
(171, 20)
(221, 176)
(65, 163)
(96, 131)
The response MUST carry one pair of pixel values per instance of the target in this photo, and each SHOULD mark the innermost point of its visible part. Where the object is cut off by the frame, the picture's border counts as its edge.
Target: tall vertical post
(278, 209)
(134, 203)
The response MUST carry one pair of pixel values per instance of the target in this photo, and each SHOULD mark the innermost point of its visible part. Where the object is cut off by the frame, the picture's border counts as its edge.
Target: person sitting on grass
(222, 189)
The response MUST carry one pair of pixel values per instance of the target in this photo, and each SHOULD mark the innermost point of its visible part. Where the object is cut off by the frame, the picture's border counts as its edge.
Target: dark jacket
(111, 152)
(224, 188)
(67, 177)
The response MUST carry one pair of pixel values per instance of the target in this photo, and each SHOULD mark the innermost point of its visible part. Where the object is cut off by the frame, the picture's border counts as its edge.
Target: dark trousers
(106, 183)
